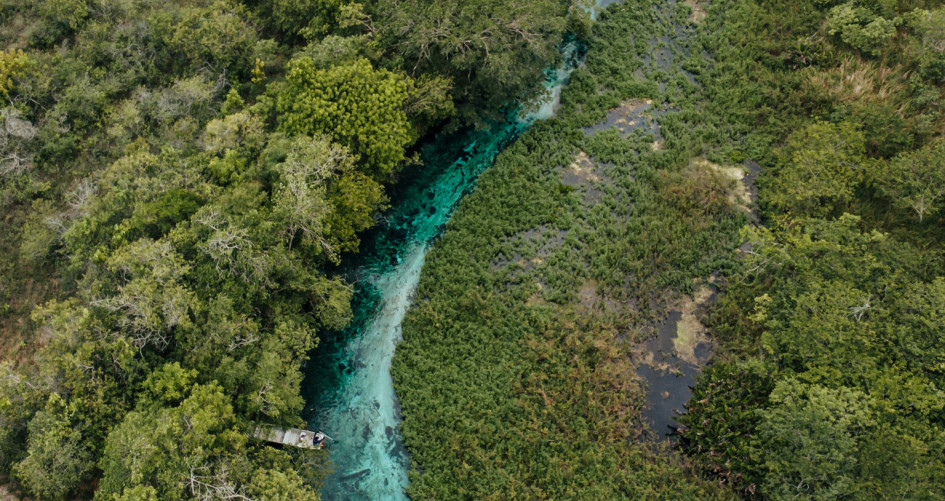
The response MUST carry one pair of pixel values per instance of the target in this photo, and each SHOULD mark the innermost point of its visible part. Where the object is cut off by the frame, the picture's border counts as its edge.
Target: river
(349, 388)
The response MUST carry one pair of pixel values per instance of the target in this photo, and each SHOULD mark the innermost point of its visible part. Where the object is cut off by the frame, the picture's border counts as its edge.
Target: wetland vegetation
(742, 195)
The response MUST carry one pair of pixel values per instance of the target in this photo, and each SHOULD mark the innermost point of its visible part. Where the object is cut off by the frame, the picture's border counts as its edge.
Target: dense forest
(176, 180)
(181, 181)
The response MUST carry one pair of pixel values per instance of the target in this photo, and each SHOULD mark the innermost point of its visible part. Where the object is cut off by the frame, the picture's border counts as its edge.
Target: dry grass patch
(856, 80)
(6, 495)
(582, 170)
(698, 11)
(690, 332)
(741, 195)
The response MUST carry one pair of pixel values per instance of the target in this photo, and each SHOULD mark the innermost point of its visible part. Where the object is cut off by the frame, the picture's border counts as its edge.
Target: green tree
(808, 438)
(170, 448)
(20, 399)
(167, 386)
(358, 106)
(153, 300)
(62, 18)
(300, 197)
(273, 485)
(915, 180)
(68, 13)
(928, 28)
(429, 101)
(233, 131)
(271, 388)
(309, 17)
(218, 36)
(894, 464)
(13, 63)
(57, 460)
(355, 199)
(820, 167)
(137, 493)
(495, 51)
(860, 28)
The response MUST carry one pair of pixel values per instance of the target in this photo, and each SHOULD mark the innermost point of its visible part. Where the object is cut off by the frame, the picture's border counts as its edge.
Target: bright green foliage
(915, 181)
(273, 485)
(354, 198)
(165, 447)
(168, 385)
(822, 165)
(807, 435)
(356, 105)
(56, 458)
(860, 28)
(12, 65)
(237, 130)
(137, 493)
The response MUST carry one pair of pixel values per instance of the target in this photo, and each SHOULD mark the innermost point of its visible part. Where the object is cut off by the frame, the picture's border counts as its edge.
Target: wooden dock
(293, 436)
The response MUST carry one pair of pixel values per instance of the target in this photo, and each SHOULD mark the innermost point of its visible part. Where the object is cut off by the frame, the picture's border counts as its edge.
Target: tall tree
(915, 180)
(495, 51)
(356, 105)
(808, 439)
(820, 167)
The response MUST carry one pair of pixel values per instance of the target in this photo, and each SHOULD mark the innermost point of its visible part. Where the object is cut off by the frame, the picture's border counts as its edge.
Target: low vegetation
(515, 373)
(828, 380)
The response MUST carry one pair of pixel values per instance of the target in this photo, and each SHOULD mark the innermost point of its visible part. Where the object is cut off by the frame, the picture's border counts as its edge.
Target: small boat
(303, 439)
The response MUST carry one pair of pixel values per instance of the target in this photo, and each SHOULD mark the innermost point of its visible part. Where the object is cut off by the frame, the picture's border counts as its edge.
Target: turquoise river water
(348, 388)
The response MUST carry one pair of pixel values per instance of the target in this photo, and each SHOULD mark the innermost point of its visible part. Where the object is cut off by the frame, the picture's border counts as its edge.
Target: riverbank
(349, 388)
(518, 370)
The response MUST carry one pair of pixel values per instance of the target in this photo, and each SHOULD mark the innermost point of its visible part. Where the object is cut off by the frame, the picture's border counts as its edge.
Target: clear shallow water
(351, 393)
(348, 387)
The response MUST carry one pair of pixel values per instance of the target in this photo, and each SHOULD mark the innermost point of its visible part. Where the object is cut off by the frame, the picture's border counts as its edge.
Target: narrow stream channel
(349, 388)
